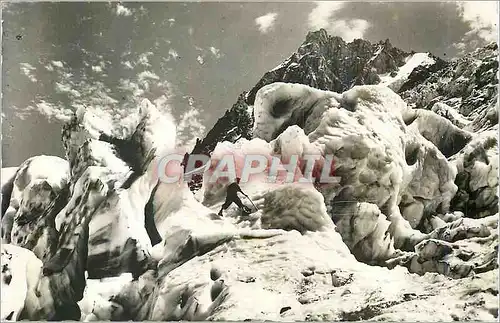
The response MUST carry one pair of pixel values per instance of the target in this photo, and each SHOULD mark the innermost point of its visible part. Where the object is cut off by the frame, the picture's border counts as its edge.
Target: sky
(191, 59)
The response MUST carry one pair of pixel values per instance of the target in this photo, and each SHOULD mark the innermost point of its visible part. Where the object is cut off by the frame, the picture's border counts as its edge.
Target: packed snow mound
(395, 82)
(292, 208)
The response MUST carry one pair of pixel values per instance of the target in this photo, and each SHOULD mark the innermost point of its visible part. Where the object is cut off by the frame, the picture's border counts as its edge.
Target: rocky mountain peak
(320, 36)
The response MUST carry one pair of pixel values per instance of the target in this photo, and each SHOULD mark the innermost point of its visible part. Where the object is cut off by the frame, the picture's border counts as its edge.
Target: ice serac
(86, 216)
(20, 271)
(118, 239)
(40, 183)
(390, 158)
(233, 263)
(477, 177)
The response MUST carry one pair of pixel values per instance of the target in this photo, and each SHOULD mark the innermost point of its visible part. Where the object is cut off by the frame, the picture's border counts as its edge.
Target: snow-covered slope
(396, 79)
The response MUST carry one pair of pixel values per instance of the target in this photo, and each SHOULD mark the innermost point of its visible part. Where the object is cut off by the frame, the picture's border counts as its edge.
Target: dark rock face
(422, 73)
(329, 63)
(236, 123)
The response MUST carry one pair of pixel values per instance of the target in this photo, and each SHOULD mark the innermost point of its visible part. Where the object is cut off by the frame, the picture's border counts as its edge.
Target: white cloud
(97, 69)
(52, 111)
(132, 87)
(215, 51)
(162, 103)
(190, 127)
(173, 53)
(191, 31)
(144, 59)
(85, 91)
(121, 10)
(319, 17)
(27, 66)
(66, 88)
(27, 70)
(128, 65)
(147, 75)
(200, 59)
(266, 22)
(145, 79)
(323, 16)
(58, 64)
(482, 17)
(349, 29)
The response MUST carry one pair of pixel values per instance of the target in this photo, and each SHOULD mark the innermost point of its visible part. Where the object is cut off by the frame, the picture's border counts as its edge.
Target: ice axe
(256, 208)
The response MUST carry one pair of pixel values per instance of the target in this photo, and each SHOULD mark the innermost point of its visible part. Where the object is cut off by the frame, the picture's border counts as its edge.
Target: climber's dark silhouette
(232, 197)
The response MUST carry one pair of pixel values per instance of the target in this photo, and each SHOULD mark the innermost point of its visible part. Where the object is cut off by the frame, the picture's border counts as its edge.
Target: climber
(232, 197)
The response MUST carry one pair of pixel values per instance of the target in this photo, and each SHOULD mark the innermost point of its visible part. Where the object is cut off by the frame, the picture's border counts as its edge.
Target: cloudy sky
(189, 59)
